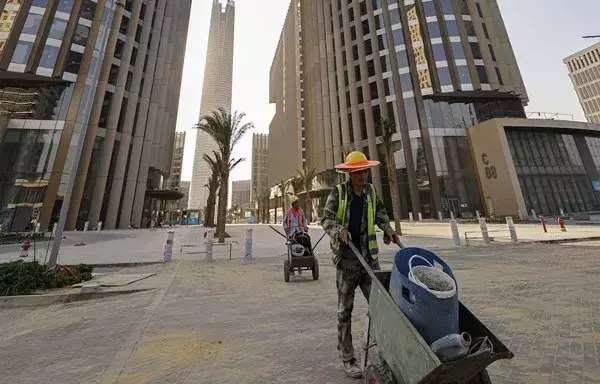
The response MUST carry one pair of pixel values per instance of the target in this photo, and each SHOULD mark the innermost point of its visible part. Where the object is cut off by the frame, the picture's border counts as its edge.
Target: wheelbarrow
(404, 356)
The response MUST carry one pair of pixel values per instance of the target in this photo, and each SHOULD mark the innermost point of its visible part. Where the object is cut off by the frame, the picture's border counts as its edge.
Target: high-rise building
(108, 70)
(432, 68)
(287, 129)
(216, 91)
(584, 70)
(240, 192)
(174, 180)
(184, 187)
(260, 164)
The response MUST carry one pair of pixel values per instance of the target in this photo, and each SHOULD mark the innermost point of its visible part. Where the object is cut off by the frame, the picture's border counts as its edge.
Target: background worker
(294, 220)
(351, 212)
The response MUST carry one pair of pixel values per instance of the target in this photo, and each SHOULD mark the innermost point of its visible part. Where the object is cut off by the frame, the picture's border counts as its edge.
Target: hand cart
(405, 357)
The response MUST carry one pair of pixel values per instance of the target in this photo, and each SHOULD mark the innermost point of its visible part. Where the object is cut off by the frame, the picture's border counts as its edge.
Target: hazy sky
(542, 32)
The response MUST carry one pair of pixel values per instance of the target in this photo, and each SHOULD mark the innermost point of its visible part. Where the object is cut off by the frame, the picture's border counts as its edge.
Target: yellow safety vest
(344, 221)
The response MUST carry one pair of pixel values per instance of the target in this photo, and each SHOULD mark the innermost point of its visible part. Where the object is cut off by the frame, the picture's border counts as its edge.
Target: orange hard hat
(356, 161)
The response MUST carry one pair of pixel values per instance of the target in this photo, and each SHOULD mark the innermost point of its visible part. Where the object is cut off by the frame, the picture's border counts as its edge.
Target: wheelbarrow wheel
(286, 271)
(378, 374)
(315, 270)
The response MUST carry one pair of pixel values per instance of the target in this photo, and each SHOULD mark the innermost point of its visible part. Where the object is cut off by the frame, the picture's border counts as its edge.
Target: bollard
(168, 254)
(210, 236)
(99, 226)
(248, 244)
(533, 213)
(54, 228)
(37, 227)
(511, 228)
(420, 216)
(561, 223)
(455, 234)
(440, 216)
(478, 215)
(562, 212)
(411, 218)
(484, 230)
(86, 226)
(543, 224)
(452, 215)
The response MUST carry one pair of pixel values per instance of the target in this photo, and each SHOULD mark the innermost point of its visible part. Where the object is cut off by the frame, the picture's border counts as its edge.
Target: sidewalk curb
(121, 265)
(563, 241)
(46, 300)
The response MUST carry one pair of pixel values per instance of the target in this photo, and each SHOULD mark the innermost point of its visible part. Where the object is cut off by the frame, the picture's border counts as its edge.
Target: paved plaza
(238, 322)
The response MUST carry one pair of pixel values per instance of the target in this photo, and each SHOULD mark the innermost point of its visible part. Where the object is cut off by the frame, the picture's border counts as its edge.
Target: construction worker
(294, 220)
(351, 212)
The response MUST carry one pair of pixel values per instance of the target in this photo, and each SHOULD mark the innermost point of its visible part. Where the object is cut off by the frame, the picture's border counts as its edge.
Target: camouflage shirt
(333, 227)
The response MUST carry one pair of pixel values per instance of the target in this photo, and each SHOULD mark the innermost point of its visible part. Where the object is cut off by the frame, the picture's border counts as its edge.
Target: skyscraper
(216, 91)
(432, 68)
(584, 70)
(260, 154)
(174, 180)
(113, 66)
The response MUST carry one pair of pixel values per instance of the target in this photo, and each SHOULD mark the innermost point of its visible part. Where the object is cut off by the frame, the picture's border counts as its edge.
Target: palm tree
(282, 186)
(227, 130)
(387, 128)
(306, 176)
(215, 165)
(296, 184)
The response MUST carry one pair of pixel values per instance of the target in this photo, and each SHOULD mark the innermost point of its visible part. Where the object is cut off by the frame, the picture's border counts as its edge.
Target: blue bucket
(433, 317)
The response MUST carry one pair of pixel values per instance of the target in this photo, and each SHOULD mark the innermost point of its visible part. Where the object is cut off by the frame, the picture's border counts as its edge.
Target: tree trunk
(308, 207)
(222, 213)
(282, 207)
(391, 168)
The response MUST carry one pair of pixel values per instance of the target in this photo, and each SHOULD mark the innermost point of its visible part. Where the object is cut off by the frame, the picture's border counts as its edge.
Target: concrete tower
(216, 91)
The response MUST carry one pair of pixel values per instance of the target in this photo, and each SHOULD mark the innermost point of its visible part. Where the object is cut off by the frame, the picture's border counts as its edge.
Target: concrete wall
(495, 169)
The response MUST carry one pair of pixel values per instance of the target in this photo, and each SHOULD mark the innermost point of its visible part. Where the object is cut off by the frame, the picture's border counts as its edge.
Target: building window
(398, 37)
(357, 73)
(470, 28)
(373, 89)
(49, 56)
(382, 42)
(365, 27)
(406, 82)
(479, 11)
(22, 52)
(87, 9)
(384, 64)
(370, 68)
(463, 74)
(32, 24)
(114, 73)
(499, 76)
(377, 120)
(429, 8)
(65, 6)
(438, 52)
(452, 28)
(57, 31)
(363, 124)
(353, 33)
(386, 86)
(402, 59)
(359, 94)
(368, 47)
(458, 51)
(476, 51)
(434, 30)
(485, 31)
(444, 75)
(482, 73)
(81, 35)
(119, 48)
(447, 7)
(133, 56)
(73, 62)
(492, 53)
(105, 109)
(394, 16)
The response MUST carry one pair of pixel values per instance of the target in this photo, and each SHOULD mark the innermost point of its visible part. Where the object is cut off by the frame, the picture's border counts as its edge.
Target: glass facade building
(431, 67)
(91, 71)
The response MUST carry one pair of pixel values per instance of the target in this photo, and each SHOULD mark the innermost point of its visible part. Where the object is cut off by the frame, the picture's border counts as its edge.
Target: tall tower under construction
(216, 91)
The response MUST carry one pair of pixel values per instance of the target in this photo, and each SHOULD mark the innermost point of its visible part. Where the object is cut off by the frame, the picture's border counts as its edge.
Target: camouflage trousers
(350, 275)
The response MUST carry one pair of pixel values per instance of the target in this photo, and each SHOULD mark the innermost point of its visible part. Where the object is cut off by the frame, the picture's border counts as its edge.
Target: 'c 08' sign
(490, 170)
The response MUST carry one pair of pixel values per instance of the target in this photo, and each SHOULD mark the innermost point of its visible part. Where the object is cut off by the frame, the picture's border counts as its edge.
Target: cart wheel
(378, 374)
(315, 270)
(286, 271)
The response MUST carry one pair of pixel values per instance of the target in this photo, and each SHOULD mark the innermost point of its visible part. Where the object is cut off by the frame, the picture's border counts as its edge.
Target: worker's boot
(352, 369)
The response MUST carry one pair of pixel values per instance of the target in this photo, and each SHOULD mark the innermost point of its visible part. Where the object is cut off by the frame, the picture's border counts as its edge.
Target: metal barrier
(479, 232)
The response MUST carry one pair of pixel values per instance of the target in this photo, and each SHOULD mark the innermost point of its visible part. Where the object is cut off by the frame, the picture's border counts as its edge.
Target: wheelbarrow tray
(302, 261)
(408, 356)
